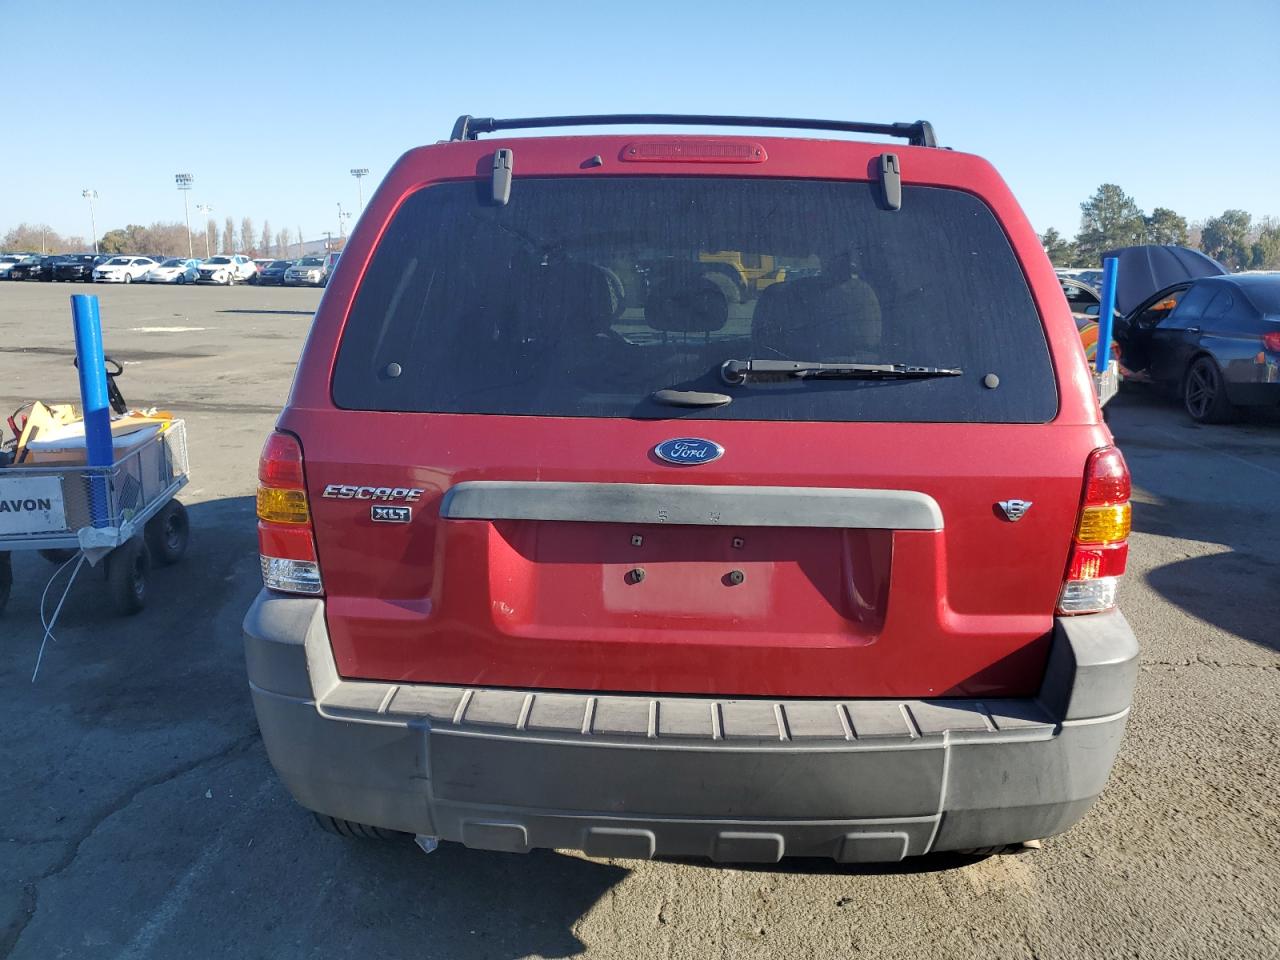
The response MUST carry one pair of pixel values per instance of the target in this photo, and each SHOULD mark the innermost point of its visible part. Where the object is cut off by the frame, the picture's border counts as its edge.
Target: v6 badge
(391, 514)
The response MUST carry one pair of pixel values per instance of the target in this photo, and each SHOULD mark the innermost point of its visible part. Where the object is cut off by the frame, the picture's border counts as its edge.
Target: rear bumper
(735, 780)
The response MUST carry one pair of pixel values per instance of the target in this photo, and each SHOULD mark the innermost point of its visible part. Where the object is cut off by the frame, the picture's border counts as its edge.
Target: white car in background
(174, 270)
(226, 269)
(122, 269)
(8, 261)
(307, 272)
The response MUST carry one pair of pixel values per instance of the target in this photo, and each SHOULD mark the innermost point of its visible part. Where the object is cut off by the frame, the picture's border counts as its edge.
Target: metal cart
(124, 514)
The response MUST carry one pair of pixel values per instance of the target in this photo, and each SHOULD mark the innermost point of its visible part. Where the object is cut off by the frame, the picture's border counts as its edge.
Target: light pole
(206, 210)
(343, 216)
(184, 182)
(360, 173)
(92, 195)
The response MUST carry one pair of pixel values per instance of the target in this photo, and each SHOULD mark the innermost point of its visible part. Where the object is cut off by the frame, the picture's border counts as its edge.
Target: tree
(299, 241)
(265, 243)
(1061, 251)
(248, 244)
(1226, 239)
(211, 236)
(34, 238)
(1265, 252)
(1108, 219)
(115, 241)
(229, 236)
(1165, 226)
(282, 243)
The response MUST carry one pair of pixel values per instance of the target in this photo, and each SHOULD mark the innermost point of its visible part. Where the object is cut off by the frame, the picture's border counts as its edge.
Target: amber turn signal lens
(283, 506)
(1104, 524)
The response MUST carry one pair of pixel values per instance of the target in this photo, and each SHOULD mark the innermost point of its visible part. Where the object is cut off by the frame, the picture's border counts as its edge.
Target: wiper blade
(739, 371)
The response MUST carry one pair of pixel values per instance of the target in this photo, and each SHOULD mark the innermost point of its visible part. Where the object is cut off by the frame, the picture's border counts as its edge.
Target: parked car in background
(259, 264)
(7, 262)
(684, 579)
(272, 274)
(76, 267)
(1213, 342)
(174, 270)
(226, 269)
(308, 272)
(34, 268)
(330, 263)
(122, 269)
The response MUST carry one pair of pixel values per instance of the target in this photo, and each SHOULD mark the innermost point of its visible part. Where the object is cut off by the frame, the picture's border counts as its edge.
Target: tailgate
(579, 577)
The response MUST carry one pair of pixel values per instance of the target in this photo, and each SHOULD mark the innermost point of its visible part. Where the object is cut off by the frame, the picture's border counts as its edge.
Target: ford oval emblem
(687, 451)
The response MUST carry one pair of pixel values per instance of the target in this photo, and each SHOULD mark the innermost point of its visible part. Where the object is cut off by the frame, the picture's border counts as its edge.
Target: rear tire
(1204, 393)
(168, 533)
(350, 830)
(128, 572)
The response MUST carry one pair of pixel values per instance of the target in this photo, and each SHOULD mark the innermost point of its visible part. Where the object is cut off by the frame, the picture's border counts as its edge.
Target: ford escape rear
(572, 539)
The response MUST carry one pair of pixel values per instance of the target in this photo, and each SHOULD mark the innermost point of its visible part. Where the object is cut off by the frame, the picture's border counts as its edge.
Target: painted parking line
(166, 329)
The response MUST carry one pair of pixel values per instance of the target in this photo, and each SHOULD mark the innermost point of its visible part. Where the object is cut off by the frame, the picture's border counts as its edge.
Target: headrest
(576, 295)
(814, 318)
(689, 305)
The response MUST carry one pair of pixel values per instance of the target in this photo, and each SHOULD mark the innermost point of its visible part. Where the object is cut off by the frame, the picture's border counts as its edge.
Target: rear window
(1265, 298)
(582, 297)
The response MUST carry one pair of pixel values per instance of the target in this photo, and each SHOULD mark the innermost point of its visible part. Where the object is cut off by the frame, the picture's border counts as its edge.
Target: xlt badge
(390, 514)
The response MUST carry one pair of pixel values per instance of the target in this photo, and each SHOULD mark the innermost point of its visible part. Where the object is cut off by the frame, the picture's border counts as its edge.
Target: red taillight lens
(1100, 550)
(1271, 341)
(281, 461)
(285, 543)
(1106, 478)
(1090, 563)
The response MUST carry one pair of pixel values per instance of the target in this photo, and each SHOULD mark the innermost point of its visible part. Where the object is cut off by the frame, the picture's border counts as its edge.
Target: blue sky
(269, 106)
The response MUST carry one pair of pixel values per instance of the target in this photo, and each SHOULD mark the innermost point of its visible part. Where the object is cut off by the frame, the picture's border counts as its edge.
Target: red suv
(570, 539)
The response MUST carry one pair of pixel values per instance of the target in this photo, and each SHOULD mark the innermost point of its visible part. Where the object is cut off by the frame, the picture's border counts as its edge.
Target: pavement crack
(1217, 664)
(31, 887)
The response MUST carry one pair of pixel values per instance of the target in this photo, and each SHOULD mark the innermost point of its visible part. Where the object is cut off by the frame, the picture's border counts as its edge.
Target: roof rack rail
(918, 134)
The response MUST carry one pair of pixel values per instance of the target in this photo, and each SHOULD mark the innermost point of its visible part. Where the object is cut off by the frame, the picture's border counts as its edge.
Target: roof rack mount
(918, 134)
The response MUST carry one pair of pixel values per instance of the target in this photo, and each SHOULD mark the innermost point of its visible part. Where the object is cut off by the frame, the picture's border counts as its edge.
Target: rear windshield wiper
(739, 371)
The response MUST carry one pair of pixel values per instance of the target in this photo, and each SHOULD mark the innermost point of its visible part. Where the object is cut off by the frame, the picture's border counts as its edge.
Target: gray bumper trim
(692, 504)
(746, 780)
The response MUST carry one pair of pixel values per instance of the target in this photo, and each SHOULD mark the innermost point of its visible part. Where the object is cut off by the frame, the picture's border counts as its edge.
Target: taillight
(1100, 548)
(286, 546)
(1271, 341)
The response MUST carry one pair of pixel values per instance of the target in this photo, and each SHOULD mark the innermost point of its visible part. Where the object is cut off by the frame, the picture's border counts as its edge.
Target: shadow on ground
(1211, 484)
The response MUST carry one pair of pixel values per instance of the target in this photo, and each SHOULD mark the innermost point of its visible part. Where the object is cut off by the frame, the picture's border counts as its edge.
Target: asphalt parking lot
(139, 816)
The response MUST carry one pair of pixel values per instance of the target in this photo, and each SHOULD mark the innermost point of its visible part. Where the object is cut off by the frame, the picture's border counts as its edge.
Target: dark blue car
(1214, 341)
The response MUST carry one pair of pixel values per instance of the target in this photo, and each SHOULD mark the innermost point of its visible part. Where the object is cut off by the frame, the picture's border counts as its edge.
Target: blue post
(93, 397)
(1106, 313)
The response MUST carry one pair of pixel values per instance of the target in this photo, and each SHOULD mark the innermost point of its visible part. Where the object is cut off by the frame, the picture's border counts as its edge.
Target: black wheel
(1204, 393)
(182, 278)
(59, 556)
(128, 567)
(168, 532)
(6, 579)
(355, 831)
